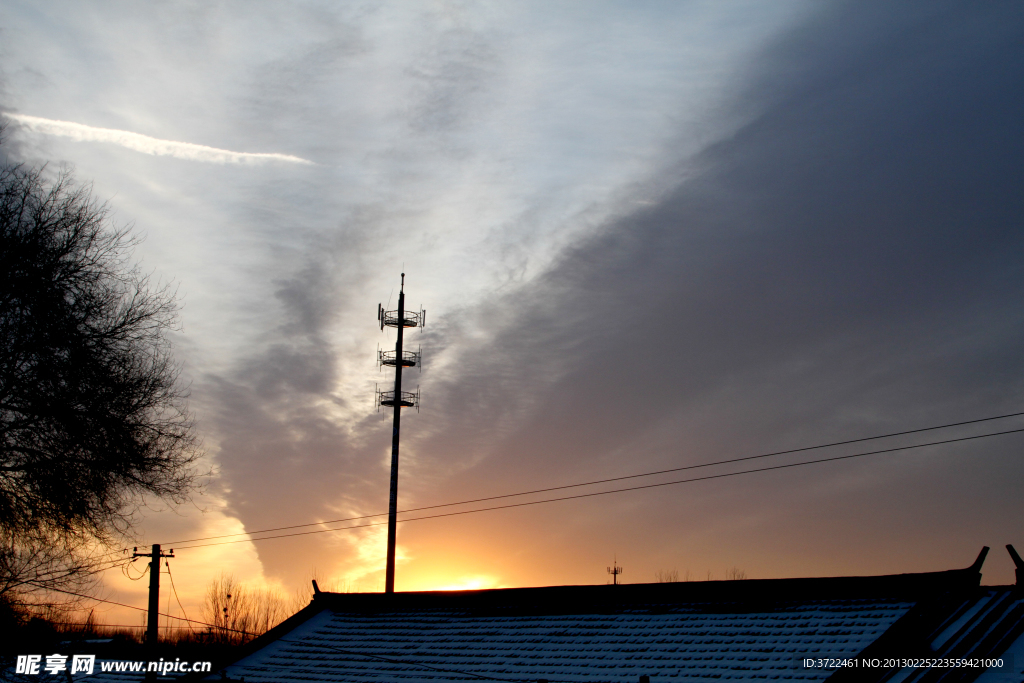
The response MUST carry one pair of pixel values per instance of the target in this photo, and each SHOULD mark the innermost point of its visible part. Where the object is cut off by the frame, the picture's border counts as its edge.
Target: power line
(140, 609)
(67, 574)
(112, 626)
(82, 595)
(125, 569)
(622, 490)
(109, 565)
(605, 481)
(307, 533)
(175, 591)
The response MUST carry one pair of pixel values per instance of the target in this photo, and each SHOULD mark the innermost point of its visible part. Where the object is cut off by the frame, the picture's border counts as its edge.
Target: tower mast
(398, 399)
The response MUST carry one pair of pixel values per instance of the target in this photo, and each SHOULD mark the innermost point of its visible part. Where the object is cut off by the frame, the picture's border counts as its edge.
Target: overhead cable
(605, 481)
(622, 490)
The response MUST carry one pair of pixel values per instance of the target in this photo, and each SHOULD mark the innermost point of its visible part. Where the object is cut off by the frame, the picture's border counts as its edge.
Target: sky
(647, 235)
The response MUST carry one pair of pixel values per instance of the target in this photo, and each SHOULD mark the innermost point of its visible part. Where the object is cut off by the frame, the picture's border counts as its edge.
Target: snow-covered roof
(401, 645)
(732, 630)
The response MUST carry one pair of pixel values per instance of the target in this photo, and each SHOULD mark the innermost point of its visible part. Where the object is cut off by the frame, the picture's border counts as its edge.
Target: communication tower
(397, 399)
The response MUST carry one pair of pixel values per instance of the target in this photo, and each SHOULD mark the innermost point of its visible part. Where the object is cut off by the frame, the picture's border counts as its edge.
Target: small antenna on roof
(615, 570)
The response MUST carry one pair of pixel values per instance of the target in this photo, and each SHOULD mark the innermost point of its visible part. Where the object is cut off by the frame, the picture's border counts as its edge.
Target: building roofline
(731, 595)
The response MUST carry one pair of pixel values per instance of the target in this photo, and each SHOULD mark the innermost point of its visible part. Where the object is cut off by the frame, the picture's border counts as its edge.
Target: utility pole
(152, 624)
(398, 399)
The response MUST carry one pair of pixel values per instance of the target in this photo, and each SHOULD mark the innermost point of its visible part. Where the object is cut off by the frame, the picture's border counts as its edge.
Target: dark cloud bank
(848, 263)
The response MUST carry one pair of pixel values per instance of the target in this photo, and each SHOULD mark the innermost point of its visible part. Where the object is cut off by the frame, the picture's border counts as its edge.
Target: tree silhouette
(237, 613)
(92, 416)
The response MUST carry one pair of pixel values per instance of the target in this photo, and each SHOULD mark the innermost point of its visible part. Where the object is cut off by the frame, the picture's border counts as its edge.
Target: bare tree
(672, 576)
(92, 415)
(35, 563)
(735, 574)
(667, 576)
(239, 613)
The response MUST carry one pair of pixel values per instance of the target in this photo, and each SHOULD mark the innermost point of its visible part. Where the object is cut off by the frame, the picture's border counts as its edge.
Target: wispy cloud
(146, 144)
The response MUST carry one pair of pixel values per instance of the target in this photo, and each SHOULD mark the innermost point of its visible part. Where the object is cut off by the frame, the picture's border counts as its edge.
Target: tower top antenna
(403, 281)
(615, 570)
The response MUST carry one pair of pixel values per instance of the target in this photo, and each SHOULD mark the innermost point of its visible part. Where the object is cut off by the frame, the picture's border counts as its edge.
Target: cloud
(840, 266)
(146, 144)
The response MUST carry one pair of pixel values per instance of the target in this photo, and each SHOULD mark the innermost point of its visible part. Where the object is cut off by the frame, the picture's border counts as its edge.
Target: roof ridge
(733, 595)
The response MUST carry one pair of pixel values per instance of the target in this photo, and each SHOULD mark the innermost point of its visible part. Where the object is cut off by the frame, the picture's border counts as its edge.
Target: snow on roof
(429, 645)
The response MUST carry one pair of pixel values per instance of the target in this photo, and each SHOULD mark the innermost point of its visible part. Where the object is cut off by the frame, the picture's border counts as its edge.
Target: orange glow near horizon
(464, 583)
